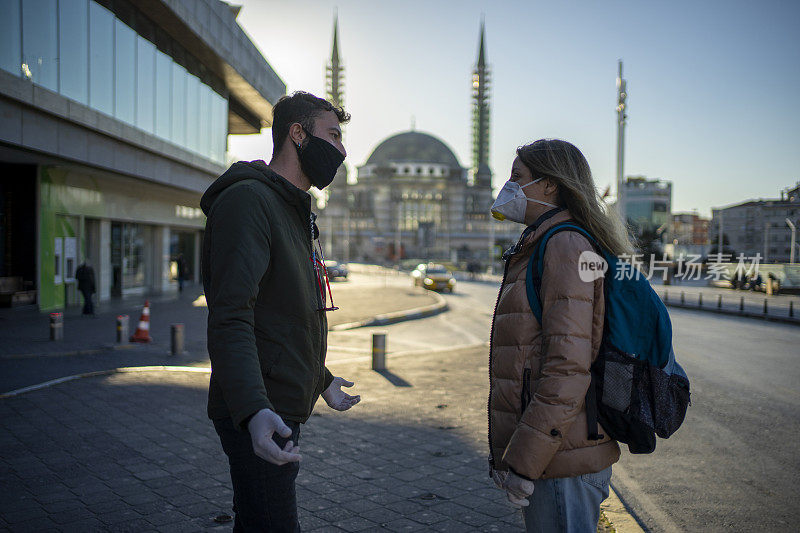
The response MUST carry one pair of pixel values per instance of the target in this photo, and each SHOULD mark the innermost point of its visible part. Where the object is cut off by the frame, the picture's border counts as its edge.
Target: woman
(541, 452)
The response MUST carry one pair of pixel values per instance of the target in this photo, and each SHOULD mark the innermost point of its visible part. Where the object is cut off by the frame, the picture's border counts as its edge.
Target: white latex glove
(261, 427)
(517, 489)
(336, 398)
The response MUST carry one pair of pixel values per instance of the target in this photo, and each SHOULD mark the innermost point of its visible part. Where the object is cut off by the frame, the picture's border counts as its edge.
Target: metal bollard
(791, 309)
(56, 326)
(379, 351)
(765, 306)
(122, 329)
(176, 339)
(700, 300)
(741, 305)
(719, 302)
(683, 297)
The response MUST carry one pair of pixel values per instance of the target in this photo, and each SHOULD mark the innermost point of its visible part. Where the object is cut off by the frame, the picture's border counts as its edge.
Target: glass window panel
(10, 37)
(223, 118)
(39, 44)
(163, 95)
(179, 75)
(124, 72)
(101, 58)
(192, 110)
(216, 127)
(73, 45)
(204, 117)
(145, 84)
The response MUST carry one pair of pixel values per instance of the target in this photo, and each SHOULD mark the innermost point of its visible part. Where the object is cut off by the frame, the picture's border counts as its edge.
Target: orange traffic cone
(143, 330)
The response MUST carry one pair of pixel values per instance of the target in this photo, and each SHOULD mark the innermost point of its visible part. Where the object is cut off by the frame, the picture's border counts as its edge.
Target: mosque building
(412, 198)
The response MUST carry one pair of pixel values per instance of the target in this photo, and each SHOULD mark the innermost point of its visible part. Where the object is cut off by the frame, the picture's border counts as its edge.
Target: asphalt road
(733, 465)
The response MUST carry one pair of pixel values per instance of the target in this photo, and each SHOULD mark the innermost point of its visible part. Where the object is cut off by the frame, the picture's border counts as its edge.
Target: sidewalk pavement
(135, 452)
(27, 356)
(25, 331)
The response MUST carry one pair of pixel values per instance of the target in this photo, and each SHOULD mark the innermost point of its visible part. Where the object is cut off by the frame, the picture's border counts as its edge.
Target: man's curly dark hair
(301, 107)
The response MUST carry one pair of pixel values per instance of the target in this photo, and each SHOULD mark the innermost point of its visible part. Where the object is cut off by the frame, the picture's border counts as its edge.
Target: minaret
(337, 209)
(481, 78)
(334, 72)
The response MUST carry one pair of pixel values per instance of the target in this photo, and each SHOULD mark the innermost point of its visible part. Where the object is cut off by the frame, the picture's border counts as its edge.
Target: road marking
(121, 370)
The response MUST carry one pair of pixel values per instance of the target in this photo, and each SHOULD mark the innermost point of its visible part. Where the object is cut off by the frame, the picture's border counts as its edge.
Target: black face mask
(319, 160)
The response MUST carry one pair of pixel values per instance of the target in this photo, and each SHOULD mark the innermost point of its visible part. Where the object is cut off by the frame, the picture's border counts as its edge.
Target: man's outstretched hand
(261, 427)
(336, 398)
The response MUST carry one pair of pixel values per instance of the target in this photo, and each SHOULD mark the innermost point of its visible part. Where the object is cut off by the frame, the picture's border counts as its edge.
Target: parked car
(433, 277)
(336, 270)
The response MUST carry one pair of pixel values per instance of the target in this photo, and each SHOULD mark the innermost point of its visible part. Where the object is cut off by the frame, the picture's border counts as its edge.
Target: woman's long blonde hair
(566, 166)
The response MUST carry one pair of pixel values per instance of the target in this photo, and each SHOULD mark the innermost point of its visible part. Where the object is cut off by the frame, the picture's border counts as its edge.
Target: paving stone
(404, 524)
(389, 478)
(356, 523)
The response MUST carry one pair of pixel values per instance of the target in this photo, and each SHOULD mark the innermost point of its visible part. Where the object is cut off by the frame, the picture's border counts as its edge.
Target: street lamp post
(621, 118)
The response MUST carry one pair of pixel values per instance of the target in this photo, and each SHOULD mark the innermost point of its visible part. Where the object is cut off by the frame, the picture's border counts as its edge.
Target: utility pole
(621, 119)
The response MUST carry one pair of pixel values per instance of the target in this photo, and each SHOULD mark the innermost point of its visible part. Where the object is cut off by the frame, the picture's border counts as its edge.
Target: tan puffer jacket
(547, 438)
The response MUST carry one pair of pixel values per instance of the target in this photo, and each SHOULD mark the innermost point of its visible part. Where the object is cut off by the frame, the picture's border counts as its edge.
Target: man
(267, 329)
(85, 277)
(183, 270)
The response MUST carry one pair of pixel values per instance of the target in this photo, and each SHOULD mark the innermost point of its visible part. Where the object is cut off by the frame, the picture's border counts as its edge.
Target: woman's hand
(517, 489)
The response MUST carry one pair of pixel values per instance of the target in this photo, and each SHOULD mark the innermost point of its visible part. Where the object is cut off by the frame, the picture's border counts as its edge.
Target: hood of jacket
(257, 170)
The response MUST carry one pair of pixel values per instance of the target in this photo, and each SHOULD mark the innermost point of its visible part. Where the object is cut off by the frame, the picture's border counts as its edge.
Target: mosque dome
(413, 147)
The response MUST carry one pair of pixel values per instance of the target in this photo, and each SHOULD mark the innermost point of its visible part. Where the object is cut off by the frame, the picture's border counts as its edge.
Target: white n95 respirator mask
(511, 202)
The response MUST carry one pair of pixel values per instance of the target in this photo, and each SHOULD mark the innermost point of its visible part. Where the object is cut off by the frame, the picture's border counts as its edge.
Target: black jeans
(264, 496)
(88, 304)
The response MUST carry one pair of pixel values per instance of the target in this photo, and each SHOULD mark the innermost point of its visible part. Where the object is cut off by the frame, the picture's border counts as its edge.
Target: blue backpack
(638, 390)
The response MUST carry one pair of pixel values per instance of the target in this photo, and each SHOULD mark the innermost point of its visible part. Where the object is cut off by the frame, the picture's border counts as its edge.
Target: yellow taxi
(433, 277)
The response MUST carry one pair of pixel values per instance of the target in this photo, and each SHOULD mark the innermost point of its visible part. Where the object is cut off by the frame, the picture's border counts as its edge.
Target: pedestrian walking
(267, 294)
(85, 277)
(541, 450)
(183, 271)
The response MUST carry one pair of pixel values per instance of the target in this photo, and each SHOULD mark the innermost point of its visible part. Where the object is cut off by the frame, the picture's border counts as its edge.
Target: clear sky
(713, 85)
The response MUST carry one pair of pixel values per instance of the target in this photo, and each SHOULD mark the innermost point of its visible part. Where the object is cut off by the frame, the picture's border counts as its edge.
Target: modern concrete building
(648, 204)
(759, 227)
(688, 235)
(412, 198)
(114, 116)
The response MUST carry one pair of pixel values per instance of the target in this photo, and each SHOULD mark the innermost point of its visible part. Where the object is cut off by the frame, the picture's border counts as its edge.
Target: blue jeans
(567, 504)
(264, 497)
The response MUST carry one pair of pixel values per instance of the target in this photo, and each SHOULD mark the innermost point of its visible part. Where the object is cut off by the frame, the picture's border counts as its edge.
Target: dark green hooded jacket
(266, 337)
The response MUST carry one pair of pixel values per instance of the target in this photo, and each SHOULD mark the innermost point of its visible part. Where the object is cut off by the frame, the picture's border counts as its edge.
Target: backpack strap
(533, 287)
(533, 278)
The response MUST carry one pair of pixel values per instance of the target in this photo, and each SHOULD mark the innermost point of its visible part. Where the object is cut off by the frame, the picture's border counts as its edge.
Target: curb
(398, 316)
(732, 312)
(617, 515)
(121, 370)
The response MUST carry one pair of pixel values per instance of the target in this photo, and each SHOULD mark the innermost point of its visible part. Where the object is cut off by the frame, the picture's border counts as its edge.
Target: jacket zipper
(525, 396)
(316, 280)
(491, 349)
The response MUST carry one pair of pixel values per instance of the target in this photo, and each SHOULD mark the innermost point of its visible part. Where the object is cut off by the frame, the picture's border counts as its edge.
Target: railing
(776, 309)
